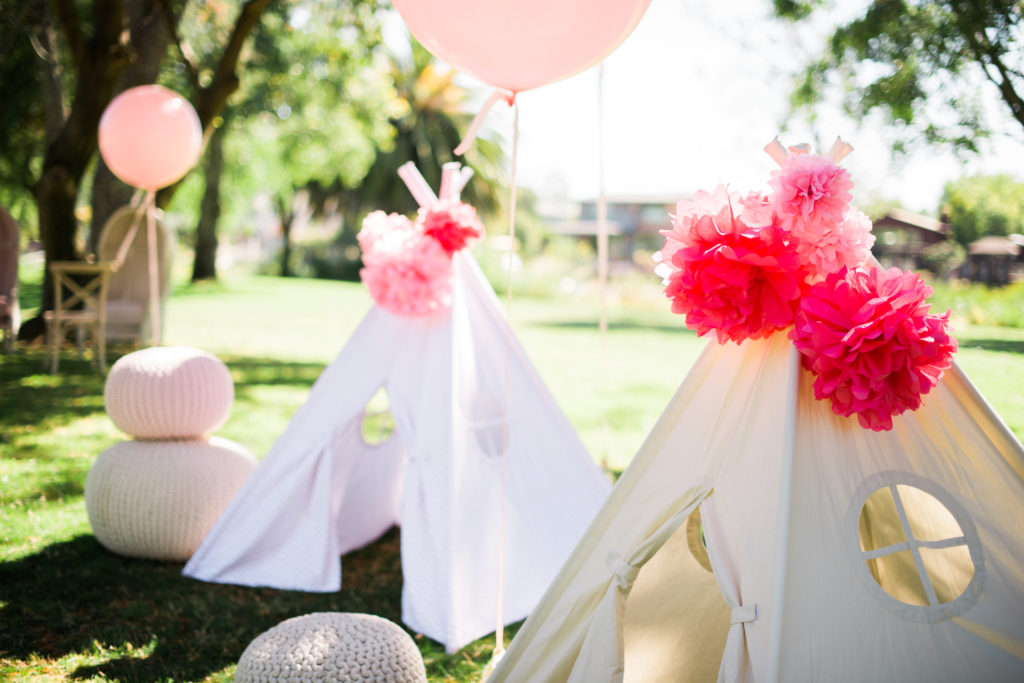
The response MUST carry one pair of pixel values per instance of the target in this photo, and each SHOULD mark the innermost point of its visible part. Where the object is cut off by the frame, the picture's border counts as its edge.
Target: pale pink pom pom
(452, 223)
(811, 190)
(841, 245)
(389, 229)
(413, 278)
(868, 337)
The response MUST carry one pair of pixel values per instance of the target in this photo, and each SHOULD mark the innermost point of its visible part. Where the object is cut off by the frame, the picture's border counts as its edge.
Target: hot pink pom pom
(811, 190)
(412, 280)
(739, 281)
(452, 223)
(869, 338)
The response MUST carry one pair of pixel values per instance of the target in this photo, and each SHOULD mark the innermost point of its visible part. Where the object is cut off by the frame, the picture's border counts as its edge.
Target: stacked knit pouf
(157, 496)
(332, 646)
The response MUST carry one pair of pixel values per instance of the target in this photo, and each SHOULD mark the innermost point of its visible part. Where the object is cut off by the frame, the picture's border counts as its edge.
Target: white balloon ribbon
(474, 128)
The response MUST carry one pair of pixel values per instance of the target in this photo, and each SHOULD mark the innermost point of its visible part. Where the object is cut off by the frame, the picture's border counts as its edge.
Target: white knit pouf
(169, 392)
(158, 499)
(332, 646)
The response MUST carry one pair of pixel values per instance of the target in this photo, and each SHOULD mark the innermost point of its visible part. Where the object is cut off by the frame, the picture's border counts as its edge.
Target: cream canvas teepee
(757, 536)
(482, 464)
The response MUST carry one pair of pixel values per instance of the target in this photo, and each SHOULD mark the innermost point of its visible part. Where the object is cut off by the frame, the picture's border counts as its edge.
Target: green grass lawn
(71, 610)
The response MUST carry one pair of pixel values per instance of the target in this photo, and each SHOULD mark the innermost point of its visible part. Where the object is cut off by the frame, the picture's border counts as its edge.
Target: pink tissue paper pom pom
(452, 223)
(413, 280)
(826, 248)
(868, 337)
(811, 190)
(742, 282)
(383, 233)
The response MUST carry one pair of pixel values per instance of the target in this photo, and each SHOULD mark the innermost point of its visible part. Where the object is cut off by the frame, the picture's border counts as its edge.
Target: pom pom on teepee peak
(810, 198)
(740, 281)
(452, 223)
(747, 266)
(408, 267)
(870, 340)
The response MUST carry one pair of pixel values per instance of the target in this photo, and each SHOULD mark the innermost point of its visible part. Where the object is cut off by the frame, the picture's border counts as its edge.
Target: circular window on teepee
(917, 551)
(378, 422)
(696, 540)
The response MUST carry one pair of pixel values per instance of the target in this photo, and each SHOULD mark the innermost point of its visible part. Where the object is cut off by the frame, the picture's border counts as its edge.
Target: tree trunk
(150, 37)
(287, 217)
(210, 101)
(205, 264)
(98, 62)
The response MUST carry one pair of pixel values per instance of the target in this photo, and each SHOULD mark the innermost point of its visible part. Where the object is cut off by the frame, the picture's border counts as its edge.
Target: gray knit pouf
(332, 646)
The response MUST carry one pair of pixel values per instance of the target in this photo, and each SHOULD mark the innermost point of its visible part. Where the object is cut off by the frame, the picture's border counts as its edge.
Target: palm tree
(429, 124)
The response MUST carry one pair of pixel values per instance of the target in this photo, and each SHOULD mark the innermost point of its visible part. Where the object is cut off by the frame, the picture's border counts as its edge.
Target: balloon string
(602, 256)
(499, 631)
(122, 250)
(474, 128)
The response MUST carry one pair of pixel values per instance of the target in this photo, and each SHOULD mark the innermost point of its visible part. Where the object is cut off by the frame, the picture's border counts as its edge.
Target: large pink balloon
(521, 44)
(150, 136)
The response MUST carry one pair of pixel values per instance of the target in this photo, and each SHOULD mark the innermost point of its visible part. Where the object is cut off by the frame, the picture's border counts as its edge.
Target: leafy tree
(428, 120)
(918, 62)
(311, 116)
(30, 46)
(984, 205)
(85, 49)
(425, 116)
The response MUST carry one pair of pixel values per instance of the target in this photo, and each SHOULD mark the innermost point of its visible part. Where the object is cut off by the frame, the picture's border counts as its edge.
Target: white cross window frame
(935, 611)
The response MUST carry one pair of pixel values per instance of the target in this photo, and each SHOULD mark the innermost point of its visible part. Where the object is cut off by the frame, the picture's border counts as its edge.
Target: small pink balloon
(150, 136)
(521, 44)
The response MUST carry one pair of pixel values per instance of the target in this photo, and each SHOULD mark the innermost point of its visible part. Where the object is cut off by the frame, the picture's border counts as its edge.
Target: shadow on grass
(61, 600)
(32, 397)
(1005, 345)
(74, 595)
(248, 371)
(76, 598)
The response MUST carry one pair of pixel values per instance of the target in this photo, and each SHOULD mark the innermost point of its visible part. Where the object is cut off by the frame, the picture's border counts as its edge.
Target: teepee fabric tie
(744, 614)
(624, 572)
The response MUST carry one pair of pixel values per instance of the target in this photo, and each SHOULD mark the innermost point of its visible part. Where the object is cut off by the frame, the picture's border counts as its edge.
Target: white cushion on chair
(333, 646)
(169, 392)
(158, 499)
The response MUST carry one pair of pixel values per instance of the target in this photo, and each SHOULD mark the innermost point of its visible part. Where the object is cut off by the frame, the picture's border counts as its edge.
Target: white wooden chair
(84, 309)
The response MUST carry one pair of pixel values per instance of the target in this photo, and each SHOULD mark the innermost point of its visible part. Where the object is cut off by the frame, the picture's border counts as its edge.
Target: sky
(690, 99)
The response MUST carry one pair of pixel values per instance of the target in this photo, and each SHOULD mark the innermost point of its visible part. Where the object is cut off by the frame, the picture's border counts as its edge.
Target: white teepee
(322, 491)
(757, 536)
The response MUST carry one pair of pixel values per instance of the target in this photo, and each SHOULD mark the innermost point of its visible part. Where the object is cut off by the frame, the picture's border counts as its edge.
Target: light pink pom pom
(811, 190)
(842, 245)
(414, 278)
